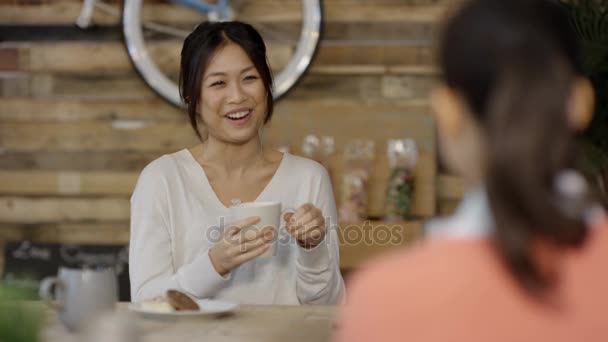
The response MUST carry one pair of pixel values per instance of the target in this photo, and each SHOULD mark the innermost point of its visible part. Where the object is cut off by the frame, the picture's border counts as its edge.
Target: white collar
(472, 219)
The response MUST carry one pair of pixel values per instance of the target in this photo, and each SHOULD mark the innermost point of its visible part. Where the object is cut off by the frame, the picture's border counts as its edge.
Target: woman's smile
(239, 116)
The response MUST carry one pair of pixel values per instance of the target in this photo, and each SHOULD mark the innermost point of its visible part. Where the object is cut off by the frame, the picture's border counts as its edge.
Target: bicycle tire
(149, 71)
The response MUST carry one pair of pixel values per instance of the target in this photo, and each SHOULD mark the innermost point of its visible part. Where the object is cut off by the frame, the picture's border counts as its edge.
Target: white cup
(80, 294)
(269, 214)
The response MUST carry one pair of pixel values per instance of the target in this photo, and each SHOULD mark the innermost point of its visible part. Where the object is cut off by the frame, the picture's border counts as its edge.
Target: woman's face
(233, 97)
(460, 137)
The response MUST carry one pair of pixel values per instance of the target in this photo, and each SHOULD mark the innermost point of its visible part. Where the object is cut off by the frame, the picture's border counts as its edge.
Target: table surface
(247, 323)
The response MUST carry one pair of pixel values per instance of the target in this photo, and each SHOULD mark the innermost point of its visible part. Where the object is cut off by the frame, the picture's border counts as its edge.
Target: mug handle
(47, 292)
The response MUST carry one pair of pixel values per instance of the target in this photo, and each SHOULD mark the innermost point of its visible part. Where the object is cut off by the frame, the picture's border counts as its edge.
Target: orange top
(458, 290)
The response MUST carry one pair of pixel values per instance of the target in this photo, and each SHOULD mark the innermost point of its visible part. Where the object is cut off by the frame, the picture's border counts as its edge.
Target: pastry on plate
(181, 301)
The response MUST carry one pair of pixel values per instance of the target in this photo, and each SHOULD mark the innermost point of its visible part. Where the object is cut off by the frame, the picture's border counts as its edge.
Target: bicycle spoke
(270, 33)
(168, 30)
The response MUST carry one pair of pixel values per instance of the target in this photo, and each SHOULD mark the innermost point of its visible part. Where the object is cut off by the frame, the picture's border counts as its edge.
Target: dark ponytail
(529, 143)
(515, 63)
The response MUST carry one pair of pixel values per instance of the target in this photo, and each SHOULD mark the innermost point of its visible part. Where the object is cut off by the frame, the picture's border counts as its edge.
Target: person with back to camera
(524, 256)
(182, 197)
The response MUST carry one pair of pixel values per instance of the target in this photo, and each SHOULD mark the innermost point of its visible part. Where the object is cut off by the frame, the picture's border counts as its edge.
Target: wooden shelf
(362, 241)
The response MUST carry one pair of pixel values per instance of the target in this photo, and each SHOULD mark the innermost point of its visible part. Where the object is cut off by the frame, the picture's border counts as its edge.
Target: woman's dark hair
(515, 62)
(200, 46)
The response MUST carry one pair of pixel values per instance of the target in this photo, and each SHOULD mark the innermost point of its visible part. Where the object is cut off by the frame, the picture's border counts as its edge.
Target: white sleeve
(151, 268)
(319, 280)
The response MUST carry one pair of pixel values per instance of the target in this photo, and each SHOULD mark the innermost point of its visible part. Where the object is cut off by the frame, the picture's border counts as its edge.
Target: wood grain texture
(338, 85)
(259, 11)
(67, 183)
(119, 185)
(52, 210)
(172, 136)
(110, 57)
(93, 136)
(25, 109)
(105, 233)
(362, 241)
(75, 160)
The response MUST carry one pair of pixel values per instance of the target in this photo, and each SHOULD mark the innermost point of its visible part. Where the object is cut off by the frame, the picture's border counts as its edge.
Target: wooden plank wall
(77, 125)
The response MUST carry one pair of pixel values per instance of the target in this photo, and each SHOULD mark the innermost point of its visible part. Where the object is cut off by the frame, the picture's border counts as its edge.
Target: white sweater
(172, 209)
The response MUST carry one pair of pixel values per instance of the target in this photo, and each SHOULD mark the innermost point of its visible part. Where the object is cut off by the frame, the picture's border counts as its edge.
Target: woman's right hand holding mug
(239, 245)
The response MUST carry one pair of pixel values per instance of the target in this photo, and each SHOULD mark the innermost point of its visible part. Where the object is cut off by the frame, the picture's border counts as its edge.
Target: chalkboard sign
(27, 263)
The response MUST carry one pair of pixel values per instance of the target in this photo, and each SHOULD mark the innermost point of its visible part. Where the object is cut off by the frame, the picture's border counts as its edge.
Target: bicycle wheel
(153, 38)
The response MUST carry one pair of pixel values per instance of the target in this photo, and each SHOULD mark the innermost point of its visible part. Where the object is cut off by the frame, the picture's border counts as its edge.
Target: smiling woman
(225, 63)
(182, 198)
(234, 99)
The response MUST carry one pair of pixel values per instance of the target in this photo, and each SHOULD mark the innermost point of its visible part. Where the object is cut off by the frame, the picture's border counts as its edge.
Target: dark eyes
(221, 83)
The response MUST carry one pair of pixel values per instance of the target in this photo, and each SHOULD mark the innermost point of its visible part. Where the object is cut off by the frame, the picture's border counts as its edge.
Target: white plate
(208, 307)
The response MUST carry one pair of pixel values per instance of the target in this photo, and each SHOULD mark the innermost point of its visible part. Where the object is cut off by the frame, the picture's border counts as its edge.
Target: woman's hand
(238, 246)
(306, 225)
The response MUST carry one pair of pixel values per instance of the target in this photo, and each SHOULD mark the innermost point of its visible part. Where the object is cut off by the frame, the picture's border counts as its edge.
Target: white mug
(270, 216)
(80, 294)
